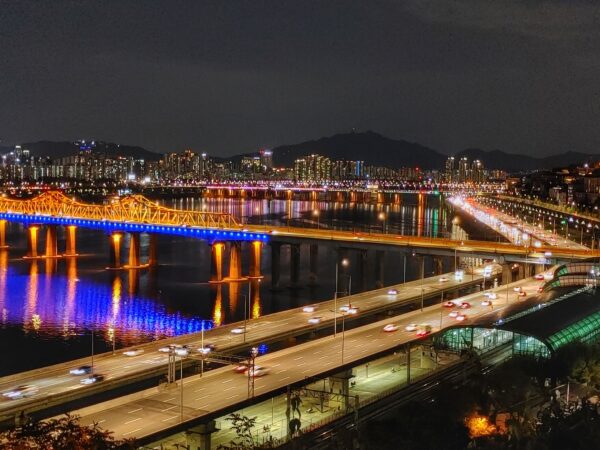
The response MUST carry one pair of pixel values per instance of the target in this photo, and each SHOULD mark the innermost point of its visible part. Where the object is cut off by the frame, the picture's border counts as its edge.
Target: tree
(64, 433)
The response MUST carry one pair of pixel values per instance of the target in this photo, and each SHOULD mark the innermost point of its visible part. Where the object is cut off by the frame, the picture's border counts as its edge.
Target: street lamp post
(345, 263)
(381, 216)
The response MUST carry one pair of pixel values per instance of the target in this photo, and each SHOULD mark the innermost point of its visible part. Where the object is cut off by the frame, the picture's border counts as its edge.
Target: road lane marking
(133, 420)
(134, 410)
(132, 431)
(169, 418)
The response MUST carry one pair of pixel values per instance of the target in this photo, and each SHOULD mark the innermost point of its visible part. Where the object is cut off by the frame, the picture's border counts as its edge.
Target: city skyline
(231, 78)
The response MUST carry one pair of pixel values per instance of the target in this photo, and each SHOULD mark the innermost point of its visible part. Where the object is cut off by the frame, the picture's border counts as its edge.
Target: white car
(308, 309)
(461, 317)
(392, 292)
(491, 295)
(453, 313)
(411, 327)
(238, 330)
(25, 390)
(315, 320)
(486, 303)
(92, 379)
(353, 310)
(390, 327)
(258, 371)
(443, 279)
(517, 289)
(133, 352)
(344, 308)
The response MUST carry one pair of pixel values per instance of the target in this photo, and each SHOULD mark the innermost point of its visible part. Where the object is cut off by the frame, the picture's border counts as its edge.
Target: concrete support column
(538, 268)
(235, 260)
(51, 241)
(32, 241)
(506, 274)
(255, 253)
(294, 265)
(71, 238)
(3, 234)
(361, 268)
(438, 265)
(275, 264)
(521, 271)
(216, 262)
(340, 384)
(198, 437)
(379, 258)
(313, 263)
(134, 249)
(153, 250)
(115, 249)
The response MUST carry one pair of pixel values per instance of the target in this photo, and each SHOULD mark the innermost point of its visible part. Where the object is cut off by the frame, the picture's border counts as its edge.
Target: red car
(465, 305)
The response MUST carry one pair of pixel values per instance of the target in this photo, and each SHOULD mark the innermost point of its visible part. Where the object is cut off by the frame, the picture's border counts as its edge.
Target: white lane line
(133, 420)
(132, 431)
(285, 378)
(199, 390)
(134, 410)
(101, 421)
(299, 357)
(170, 399)
(228, 381)
(170, 407)
(169, 418)
(233, 396)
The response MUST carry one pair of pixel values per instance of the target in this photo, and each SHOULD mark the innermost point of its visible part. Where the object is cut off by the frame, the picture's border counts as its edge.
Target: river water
(50, 310)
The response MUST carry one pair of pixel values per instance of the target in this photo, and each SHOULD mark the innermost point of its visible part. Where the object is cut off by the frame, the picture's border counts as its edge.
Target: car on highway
(517, 289)
(257, 371)
(240, 368)
(461, 317)
(353, 310)
(411, 327)
(133, 352)
(522, 294)
(491, 295)
(392, 292)
(449, 304)
(465, 305)
(424, 329)
(540, 289)
(486, 302)
(443, 279)
(454, 313)
(390, 327)
(539, 276)
(238, 330)
(315, 320)
(176, 348)
(96, 378)
(81, 370)
(206, 349)
(25, 390)
(308, 309)
(344, 308)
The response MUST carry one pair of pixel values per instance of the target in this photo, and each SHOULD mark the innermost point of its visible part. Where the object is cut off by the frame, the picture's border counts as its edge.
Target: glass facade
(585, 330)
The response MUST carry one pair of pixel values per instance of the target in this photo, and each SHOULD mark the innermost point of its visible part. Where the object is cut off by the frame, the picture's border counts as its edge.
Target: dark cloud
(225, 77)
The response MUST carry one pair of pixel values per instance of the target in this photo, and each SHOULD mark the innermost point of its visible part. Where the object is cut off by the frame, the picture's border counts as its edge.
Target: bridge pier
(361, 267)
(134, 250)
(313, 264)
(294, 266)
(3, 234)
(32, 241)
(51, 242)
(507, 274)
(235, 261)
(379, 258)
(216, 262)
(438, 265)
(71, 238)
(275, 265)
(115, 250)
(255, 254)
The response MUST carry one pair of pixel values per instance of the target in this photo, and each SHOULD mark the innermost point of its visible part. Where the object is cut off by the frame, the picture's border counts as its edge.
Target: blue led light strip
(107, 225)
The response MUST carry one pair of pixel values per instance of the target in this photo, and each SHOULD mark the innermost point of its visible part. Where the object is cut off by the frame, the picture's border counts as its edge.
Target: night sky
(231, 76)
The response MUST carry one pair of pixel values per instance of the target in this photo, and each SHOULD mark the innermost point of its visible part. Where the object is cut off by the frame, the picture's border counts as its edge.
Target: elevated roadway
(56, 386)
(153, 414)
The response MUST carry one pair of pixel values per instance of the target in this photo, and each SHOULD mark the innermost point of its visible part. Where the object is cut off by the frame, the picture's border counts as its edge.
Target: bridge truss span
(134, 208)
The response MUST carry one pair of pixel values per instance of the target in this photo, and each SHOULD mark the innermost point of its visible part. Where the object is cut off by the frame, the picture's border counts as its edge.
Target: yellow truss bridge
(133, 208)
